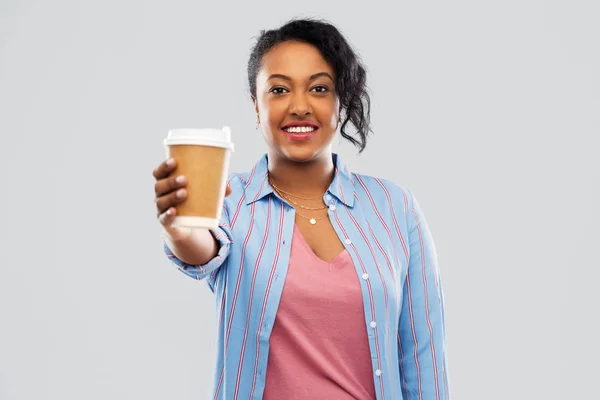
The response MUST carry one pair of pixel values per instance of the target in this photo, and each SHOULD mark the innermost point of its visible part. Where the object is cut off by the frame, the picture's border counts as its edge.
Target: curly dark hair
(350, 73)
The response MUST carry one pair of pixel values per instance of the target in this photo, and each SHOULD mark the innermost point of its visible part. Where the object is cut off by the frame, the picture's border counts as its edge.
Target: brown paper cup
(203, 156)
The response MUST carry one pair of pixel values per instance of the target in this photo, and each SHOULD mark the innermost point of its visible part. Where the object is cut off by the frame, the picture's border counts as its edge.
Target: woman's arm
(421, 331)
(199, 247)
(202, 254)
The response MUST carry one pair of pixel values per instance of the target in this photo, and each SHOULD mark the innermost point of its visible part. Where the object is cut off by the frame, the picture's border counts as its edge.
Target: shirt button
(348, 241)
(373, 324)
(378, 372)
(328, 197)
(365, 276)
(332, 207)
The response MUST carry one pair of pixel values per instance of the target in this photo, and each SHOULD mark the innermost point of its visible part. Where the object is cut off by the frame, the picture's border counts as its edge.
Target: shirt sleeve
(421, 331)
(210, 270)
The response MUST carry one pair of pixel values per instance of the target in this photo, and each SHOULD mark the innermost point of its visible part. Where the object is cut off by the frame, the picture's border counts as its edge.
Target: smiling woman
(311, 50)
(299, 107)
(326, 281)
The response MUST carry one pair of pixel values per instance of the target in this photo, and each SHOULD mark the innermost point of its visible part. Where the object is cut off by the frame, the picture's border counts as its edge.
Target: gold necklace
(300, 205)
(290, 194)
(312, 220)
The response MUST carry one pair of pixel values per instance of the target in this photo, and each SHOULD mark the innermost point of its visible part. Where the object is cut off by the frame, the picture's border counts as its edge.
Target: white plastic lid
(206, 137)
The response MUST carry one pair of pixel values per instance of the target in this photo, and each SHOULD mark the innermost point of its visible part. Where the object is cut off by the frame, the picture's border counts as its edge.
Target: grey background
(488, 111)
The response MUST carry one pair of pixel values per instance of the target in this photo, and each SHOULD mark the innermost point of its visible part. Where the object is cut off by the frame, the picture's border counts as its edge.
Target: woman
(326, 281)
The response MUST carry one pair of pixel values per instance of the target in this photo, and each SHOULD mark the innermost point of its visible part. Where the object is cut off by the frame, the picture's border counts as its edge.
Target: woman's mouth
(300, 133)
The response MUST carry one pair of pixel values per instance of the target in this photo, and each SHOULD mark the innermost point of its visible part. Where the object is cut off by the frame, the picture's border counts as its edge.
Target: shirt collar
(342, 186)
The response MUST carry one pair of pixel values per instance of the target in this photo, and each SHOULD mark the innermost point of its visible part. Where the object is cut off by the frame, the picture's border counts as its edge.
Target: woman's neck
(310, 178)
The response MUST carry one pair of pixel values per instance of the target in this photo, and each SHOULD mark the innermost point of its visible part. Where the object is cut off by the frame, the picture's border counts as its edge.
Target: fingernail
(180, 179)
(180, 193)
(170, 162)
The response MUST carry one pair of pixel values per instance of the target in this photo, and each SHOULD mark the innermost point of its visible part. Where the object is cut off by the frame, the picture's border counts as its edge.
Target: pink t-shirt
(319, 347)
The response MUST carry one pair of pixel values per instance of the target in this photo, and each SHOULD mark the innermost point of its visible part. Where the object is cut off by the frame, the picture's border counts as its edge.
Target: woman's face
(296, 101)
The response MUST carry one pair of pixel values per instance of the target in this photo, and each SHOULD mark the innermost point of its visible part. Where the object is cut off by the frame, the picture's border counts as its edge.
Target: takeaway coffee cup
(202, 155)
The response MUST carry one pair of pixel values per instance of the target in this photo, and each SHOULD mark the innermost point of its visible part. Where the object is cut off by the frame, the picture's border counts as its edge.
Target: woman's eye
(278, 90)
(320, 89)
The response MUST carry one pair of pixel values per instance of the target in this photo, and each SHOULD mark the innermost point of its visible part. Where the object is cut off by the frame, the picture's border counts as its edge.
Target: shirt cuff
(200, 272)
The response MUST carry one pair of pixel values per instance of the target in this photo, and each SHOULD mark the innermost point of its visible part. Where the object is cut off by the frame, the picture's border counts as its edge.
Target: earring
(257, 121)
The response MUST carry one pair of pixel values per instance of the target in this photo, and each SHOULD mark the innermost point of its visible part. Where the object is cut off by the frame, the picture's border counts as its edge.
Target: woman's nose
(300, 105)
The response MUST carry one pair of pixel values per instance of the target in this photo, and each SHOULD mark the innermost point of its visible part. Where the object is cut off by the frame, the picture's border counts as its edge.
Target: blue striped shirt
(384, 230)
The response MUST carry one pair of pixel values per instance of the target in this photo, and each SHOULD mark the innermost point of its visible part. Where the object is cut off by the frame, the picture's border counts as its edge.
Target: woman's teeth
(300, 129)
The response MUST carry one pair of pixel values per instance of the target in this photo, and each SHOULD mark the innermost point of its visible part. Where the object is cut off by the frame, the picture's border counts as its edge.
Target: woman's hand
(170, 191)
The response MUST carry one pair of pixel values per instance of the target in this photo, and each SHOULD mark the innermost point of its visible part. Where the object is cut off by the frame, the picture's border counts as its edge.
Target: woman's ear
(256, 111)
(255, 104)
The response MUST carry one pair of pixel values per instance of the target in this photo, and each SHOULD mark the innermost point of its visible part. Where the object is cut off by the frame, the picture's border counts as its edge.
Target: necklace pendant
(313, 221)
